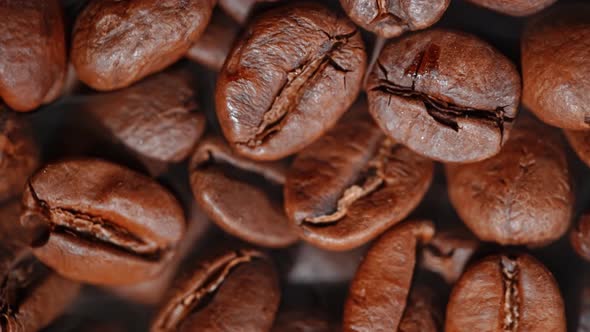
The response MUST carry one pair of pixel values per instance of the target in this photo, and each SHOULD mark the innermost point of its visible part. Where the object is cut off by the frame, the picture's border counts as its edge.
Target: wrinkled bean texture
(391, 18)
(353, 184)
(554, 89)
(522, 196)
(32, 45)
(288, 79)
(106, 224)
(515, 7)
(116, 43)
(506, 294)
(445, 94)
(19, 154)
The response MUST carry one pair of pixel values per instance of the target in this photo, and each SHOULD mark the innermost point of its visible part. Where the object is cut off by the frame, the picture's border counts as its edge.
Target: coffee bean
(556, 66)
(580, 237)
(31, 295)
(158, 118)
(214, 45)
(506, 199)
(233, 291)
(378, 294)
(288, 79)
(515, 7)
(579, 140)
(353, 184)
(108, 225)
(32, 44)
(392, 18)
(446, 95)
(506, 293)
(116, 43)
(241, 196)
(448, 253)
(19, 155)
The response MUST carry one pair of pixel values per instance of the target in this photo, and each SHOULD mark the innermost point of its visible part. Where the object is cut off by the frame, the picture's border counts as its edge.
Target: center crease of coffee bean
(510, 275)
(384, 16)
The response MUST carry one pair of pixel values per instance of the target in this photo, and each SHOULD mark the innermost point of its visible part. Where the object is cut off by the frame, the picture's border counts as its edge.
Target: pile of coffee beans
(295, 166)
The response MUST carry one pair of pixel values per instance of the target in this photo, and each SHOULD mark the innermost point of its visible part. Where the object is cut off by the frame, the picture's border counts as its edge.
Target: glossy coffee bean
(389, 18)
(580, 237)
(32, 45)
(506, 199)
(116, 43)
(106, 224)
(378, 294)
(19, 154)
(579, 140)
(554, 89)
(241, 196)
(212, 48)
(288, 79)
(353, 184)
(515, 7)
(506, 293)
(236, 290)
(31, 295)
(158, 118)
(445, 94)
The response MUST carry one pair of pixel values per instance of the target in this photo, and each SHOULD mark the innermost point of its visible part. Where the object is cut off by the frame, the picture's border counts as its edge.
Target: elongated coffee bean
(378, 294)
(353, 184)
(116, 43)
(515, 7)
(505, 199)
(107, 224)
(19, 155)
(241, 196)
(506, 293)
(233, 291)
(391, 18)
(33, 52)
(293, 73)
(446, 95)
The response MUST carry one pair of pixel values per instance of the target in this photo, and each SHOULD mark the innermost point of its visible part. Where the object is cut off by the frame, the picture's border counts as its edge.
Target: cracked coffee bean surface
(391, 18)
(506, 293)
(292, 74)
(105, 225)
(445, 94)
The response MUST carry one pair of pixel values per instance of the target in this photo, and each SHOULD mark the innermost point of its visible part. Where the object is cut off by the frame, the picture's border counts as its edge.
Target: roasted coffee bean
(116, 43)
(241, 196)
(392, 18)
(515, 7)
(32, 44)
(506, 293)
(579, 140)
(378, 294)
(19, 155)
(580, 237)
(293, 73)
(448, 253)
(214, 45)
(234, 291)
(157, 119)
(239, 10)
(353, 184)
(556, 66)
(106, 224)
(522, 196)
(31, 296)
(302, 321)
(445, 94)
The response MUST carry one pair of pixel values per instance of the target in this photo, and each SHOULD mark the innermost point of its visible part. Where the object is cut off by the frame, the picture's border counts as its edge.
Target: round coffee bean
(580, 237)
(515, 7)
(353, 184)
(106, 224)
(506, 199)
(33, 52)
(556, 67)
(378, 294)
(392, 18)
(506, 293)
(116, 43)
(446, 95)
(293, 73)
